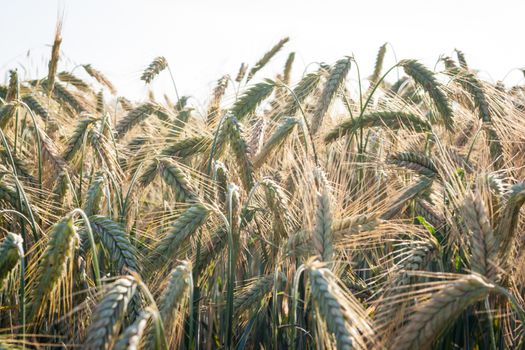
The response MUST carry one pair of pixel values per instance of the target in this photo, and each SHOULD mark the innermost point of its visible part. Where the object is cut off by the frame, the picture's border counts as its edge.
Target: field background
(190, 177)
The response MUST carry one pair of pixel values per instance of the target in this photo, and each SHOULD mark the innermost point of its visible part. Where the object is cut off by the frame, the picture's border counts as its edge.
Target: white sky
(204, 39)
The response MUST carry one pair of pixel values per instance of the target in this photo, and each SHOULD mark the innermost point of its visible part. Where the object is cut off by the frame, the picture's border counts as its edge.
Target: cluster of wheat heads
(334, 212)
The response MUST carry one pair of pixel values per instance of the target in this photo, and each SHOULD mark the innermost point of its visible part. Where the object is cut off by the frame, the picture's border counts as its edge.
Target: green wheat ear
(52, 266)
(109, 314)
(175, 289)
(374, 78)
(390, 120)
(335, 80)
(251, 99)
(267, 57)
(183, 227)
(432, 317)
(426, 79)
(11, 251)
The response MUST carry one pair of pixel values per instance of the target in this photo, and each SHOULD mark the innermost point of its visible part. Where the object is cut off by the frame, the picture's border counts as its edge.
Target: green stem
(174, 85)
(295, 298)
(231, 273)
(128, 193)
(160, 334)
(491, 328)
(303, 114)
(22, 198)
(369, 97)
(38, 141)
(96, 266)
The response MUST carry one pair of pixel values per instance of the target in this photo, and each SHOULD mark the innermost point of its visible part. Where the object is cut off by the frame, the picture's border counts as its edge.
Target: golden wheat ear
(55, 54)
(100, 77)
(155, 67)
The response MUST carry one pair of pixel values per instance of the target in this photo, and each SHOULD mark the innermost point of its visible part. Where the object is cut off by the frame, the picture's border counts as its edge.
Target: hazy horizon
(204, 40)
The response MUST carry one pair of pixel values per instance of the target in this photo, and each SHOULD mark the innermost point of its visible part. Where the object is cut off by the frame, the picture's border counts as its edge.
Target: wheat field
(338, 211)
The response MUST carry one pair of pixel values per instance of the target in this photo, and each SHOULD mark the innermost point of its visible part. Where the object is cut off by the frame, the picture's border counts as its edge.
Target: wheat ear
(185, 225)
(337, 77)
(52, 266)
(484, 247)
(131, 337)
(426, 79)
(255, 292)
(392, 120)
(251, 99)
(11, 251)
(109, 314)
(155, 67)
(432, 317)
(100, 77)
(267, 57)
